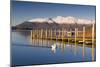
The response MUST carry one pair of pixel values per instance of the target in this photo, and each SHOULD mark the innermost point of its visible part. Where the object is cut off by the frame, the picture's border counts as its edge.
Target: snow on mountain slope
(38, 20)
(61, 20)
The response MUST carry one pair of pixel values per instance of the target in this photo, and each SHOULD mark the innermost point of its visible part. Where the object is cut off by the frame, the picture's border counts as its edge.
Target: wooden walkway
(64, 35)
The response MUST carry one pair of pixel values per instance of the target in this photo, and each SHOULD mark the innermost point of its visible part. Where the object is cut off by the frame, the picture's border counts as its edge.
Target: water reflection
(53, 45)
(93, 52)
(75, 49)
(83, 51)
(40, 51)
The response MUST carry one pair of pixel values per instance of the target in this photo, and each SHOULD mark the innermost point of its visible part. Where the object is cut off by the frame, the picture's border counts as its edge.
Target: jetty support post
(45, 31)
(62, 33)
(92, 42)
(41, 33)
(55, 33)
(93, 34)
(83, 34)
(32, 34)
(75, 34)
(51, 34)
(59, 34)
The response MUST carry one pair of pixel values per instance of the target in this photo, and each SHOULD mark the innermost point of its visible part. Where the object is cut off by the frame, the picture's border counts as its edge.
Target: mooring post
(62, 34)
(68, 35)
(75, 40)
(31, 34)
(36, 33)
(55, 34)
(51, 34)
(93, 34)
(46, 33)
(59, 34)
(83, 34)
(75, 34)
(41, 33)
(93, 42)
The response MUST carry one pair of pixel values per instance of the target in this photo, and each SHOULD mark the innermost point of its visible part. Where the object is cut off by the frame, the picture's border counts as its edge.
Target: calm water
(25, 51)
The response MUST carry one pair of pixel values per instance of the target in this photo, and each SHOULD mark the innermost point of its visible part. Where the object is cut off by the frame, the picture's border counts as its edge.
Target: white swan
(53, 48)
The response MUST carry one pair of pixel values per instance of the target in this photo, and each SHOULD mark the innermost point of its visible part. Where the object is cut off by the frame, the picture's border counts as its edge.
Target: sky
(22, 11)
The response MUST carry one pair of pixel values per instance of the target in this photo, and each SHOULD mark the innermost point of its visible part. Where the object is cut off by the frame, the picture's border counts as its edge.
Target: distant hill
(58, 22)
(45, 25)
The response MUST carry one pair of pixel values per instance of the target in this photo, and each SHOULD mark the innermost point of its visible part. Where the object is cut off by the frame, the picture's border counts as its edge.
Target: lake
(27, 51)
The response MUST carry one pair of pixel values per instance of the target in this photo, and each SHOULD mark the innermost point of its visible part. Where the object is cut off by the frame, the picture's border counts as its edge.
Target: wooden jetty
(77, 36)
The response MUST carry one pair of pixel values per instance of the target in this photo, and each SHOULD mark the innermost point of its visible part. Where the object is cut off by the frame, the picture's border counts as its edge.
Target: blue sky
(23, 11)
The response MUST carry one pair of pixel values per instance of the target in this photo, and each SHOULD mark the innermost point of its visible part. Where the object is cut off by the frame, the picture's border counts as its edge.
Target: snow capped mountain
(41, 20)
(58, 22)
(85, 21)
(60, 19)
(38, 20)
(63, 20)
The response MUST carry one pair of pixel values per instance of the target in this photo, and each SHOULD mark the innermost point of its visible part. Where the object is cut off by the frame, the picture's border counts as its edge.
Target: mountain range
(63, 20)
(58, 22)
